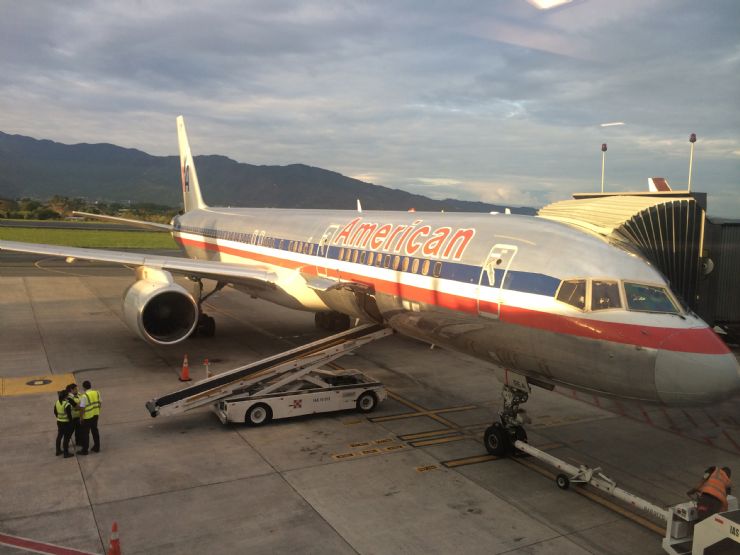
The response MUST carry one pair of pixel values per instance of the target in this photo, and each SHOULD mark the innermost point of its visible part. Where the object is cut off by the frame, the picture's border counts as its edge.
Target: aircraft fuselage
(556, 304)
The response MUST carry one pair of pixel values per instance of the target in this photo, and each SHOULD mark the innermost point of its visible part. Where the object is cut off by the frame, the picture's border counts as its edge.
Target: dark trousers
(707, 505)
(64, 433)
(90, 426)
(76, 426)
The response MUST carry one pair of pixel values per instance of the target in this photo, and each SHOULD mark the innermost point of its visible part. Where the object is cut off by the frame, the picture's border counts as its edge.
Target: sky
(491, 100)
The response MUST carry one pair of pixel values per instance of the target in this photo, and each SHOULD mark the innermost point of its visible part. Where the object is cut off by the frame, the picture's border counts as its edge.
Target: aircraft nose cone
(688, 378)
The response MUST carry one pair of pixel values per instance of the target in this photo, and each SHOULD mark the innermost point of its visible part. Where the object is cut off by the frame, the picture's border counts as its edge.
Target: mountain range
(41, 169)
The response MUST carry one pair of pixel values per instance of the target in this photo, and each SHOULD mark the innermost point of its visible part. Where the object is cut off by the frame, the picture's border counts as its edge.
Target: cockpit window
(573, 292)
(648, 298)
(605, 294)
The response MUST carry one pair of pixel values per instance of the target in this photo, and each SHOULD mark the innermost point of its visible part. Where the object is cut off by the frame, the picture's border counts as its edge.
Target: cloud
(492, 101)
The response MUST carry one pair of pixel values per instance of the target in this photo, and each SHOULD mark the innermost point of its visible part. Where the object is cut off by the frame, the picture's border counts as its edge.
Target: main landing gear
(499, 438)
(206, 326)
(332, 321)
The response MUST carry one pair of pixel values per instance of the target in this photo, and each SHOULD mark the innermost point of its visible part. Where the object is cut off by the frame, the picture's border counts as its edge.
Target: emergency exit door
(493, 280)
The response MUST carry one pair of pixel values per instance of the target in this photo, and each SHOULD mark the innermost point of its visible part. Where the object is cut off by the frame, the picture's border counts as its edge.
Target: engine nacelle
(158, 309)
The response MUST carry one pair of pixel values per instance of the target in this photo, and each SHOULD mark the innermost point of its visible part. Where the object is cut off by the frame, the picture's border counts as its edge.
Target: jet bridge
(278, 367)
(700, 257)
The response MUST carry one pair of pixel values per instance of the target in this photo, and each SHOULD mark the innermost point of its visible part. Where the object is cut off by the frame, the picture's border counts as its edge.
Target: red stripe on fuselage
(686, 340)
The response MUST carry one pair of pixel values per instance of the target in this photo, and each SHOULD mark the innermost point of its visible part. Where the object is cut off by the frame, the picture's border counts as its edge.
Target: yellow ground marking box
(28, 385)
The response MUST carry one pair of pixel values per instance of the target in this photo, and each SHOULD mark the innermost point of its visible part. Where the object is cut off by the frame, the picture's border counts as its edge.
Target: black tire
(562, 481)
(320, 320)
(496, 441)
(367, 402)
(208, 328)
(258, 415)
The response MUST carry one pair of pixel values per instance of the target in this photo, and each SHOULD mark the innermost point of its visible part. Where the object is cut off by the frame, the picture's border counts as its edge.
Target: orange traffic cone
(185, 374)
(114, 547)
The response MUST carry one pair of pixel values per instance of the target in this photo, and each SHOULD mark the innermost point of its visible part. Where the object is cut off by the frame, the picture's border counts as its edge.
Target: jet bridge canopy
(667, 230)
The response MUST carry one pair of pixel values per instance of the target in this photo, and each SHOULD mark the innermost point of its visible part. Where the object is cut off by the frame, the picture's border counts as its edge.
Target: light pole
(692, 140)
(603, 164)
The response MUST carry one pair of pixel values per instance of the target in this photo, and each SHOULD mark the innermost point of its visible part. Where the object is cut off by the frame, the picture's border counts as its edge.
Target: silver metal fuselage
(480, 284)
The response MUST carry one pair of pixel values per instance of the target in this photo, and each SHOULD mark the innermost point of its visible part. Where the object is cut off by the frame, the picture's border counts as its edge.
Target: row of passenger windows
(608, 294)
(396, 262)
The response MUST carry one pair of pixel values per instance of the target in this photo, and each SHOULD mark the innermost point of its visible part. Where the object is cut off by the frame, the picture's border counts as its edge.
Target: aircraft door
(492, 280)
(323, 248)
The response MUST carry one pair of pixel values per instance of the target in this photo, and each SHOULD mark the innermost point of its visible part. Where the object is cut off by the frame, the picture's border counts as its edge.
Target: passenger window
(405, 266)
(378, 260)
(573, 292)
(415, 266)
(605, 294)
(363, 256)
(341, 254)
(355, 255)
(396, 262)
(425, 268)
(437, 271)
(370, 257)
(648, 298)
(387, 261)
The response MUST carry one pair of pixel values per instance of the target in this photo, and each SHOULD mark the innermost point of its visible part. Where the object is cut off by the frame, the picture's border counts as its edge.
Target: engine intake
(158, 309)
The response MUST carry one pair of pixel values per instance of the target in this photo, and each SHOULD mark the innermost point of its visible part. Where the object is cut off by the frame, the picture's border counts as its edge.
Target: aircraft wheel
(562, 481)
(207, 326)
(258, 414)
(495, 440)
(367, 402)
(340, 322)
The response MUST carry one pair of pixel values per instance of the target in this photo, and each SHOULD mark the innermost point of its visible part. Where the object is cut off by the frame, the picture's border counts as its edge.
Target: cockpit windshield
(603, 294)
(649, 298)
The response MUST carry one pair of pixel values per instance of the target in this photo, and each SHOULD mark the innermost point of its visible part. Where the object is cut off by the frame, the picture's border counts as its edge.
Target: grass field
(90, 238)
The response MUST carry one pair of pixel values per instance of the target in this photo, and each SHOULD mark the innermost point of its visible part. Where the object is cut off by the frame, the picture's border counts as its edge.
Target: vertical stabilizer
(190, 187)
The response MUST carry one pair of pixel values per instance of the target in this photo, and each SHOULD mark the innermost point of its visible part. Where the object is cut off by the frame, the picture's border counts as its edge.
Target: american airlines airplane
(550, 304)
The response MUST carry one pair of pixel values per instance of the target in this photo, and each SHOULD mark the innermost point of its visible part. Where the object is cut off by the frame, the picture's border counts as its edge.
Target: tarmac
(411, 477)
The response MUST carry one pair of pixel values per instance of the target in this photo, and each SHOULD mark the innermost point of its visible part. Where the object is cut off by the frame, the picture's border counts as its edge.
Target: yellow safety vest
(92, 408)
(75, 406)
(62, 411)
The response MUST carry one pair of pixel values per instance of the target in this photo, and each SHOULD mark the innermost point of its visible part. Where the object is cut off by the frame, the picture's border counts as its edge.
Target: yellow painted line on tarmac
(432, 433)
(28, 385)
(438, 441)
(469, 460)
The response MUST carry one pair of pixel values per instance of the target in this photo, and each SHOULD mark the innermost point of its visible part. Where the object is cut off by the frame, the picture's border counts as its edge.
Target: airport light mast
(603, 164)
(692, 140)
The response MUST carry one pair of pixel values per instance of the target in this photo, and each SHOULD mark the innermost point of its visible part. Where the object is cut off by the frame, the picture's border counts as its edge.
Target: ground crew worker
(713, 491)
(74, 402)
(63, 412)
(89, 412)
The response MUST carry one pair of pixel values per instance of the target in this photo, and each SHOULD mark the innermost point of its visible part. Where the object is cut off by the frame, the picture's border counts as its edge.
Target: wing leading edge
(252, 275)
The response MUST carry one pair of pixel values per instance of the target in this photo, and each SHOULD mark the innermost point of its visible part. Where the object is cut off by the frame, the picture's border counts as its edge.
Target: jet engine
(158, 309)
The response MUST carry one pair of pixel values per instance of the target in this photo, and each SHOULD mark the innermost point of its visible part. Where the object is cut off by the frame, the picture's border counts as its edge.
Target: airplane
(547, 303)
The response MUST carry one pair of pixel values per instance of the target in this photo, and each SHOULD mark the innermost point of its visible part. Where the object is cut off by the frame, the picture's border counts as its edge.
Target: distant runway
(62, 224)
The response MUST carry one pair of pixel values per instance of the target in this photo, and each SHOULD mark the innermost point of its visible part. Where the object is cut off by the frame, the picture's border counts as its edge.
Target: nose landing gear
(499, 438)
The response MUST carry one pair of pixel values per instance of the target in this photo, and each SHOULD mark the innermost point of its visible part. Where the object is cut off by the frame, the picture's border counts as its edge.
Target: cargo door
(492, 280)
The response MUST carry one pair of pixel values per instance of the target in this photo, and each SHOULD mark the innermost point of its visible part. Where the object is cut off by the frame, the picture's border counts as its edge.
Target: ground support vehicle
(300, 393)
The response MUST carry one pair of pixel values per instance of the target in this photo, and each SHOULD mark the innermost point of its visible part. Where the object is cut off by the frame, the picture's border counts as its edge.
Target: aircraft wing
(152, 226)
(251, 274)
